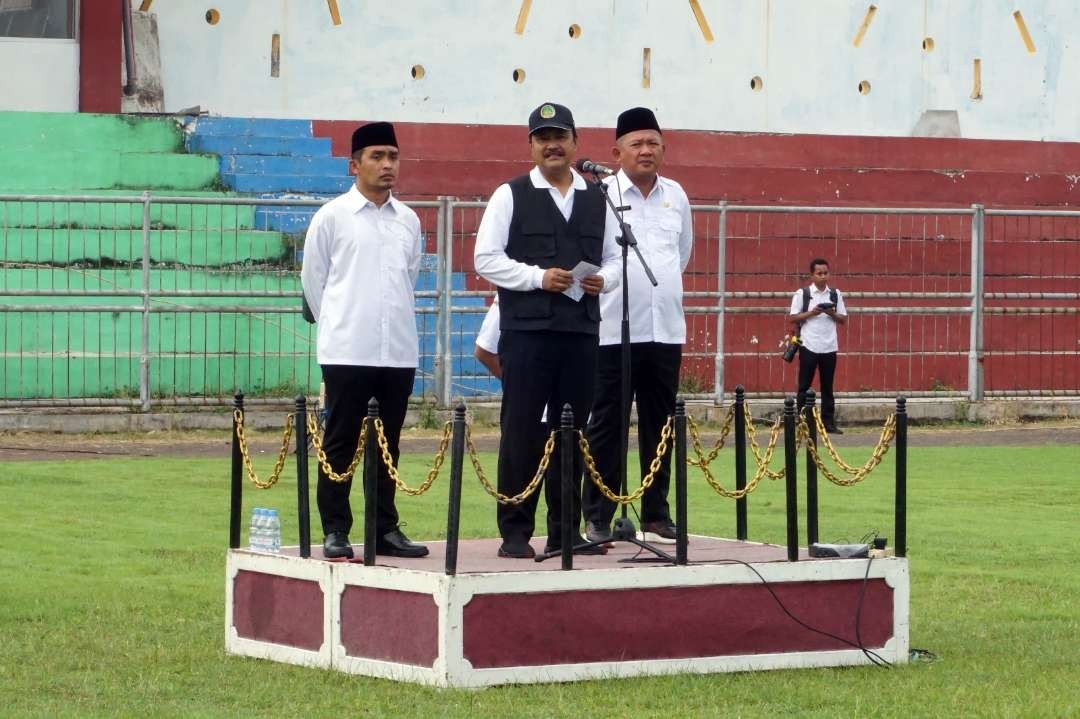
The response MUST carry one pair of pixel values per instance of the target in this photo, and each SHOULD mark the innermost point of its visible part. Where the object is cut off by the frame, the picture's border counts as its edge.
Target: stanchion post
(791, 481)
(901, 477)
(740, 461)
(237, 485)
(371, 482)
(303, 508)
(453, 516)
(566, 474)
(680, 481)
(811, 471)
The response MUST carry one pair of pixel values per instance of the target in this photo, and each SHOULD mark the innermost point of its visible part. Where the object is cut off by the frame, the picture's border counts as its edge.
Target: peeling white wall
(39, 75)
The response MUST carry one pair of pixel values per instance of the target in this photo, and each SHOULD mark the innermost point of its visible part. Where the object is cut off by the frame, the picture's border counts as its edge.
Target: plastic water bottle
(257, 530)
(273, 531)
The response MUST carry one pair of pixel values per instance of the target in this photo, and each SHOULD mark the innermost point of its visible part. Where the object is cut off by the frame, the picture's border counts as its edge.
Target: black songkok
(374, 133)
(636, 118)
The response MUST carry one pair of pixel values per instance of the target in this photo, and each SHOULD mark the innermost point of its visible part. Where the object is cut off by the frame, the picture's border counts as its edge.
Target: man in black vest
(535, 233)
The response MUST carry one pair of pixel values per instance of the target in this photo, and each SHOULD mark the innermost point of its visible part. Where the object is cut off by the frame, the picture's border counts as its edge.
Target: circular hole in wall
(417, 72)
(212, 16)
(756, 83)
(519, 75)
(575, 31)
(864, 87)
(928, 44)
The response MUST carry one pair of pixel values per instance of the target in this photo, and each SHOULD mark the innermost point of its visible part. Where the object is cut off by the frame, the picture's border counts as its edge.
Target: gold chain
(316, 442)
(761, 473)
(474, 456)
(857, 473)
(388, 460)
(752, 436)
(729, 421)
(238, 417)
(646, 481)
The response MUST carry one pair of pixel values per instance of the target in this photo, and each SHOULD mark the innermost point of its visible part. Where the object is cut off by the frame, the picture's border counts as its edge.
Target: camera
(791, 349)
(825, 306)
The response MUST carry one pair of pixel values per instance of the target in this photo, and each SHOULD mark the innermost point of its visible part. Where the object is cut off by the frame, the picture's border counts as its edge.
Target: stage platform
(506, 621)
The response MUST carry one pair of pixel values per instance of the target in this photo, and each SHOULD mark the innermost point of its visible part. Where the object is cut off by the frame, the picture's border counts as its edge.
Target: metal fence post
(445, 356)
(740, 461)
(721, 269)
(440, 295)
(790, 481)
(975, 350)
(144, 344)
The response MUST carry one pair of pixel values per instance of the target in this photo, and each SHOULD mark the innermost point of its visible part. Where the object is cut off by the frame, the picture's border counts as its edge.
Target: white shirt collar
(540, 182)
(627, 184)
(358, 202)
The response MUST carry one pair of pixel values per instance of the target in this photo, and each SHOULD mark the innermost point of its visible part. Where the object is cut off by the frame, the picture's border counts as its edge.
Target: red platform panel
(277, 609)
(504, 630)
(390, 625)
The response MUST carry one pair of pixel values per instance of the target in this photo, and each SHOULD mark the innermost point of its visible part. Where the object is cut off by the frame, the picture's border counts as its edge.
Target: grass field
(112, 597)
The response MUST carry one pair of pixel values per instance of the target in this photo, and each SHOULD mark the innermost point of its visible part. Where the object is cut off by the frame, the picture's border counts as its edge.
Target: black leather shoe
(516, 549)
(598, 532)
(396, 544)
(578, 540)
(336, 545)
(834, 429)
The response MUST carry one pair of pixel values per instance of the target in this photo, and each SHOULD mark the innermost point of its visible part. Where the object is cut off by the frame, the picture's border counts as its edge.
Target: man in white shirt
(659, 215)
(536, 230)
(361, 261)
(817, 310)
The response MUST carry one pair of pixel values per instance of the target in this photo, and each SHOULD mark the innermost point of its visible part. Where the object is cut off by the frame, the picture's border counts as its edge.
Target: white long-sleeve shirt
(664, 230)
(360, 266)
(490, 258)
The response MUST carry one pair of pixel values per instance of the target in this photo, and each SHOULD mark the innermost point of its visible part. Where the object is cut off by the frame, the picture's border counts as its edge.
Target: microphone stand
(624, 530)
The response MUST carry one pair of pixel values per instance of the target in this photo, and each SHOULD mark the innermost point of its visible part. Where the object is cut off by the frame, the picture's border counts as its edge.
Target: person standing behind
(361, 261)
(659, 214)
(817, 310)
(535, 230)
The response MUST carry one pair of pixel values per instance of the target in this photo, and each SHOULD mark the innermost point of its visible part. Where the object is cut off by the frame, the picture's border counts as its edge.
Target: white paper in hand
(581, 270)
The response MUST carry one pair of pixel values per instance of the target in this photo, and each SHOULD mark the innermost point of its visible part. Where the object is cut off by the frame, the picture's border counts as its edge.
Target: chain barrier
(702, 461)
(316, 441)
(751, 435)
(857, 474)
(388, 460)
(646, 481)
(474, 457)
(238, 418)
(762, 470)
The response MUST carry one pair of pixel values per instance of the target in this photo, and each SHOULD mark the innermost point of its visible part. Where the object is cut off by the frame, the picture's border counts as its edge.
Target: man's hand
(593, 284)
(556, 280)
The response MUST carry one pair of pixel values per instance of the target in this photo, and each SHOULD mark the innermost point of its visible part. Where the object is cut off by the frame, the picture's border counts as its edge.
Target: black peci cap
(551, 115)
(373, 133)
(636, 118)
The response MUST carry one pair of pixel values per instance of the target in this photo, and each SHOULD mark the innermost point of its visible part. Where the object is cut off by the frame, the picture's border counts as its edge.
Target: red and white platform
(502, 621)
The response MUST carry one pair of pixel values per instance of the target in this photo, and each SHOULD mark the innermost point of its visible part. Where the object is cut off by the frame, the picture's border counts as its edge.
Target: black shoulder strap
(832, 295)
(805, 299)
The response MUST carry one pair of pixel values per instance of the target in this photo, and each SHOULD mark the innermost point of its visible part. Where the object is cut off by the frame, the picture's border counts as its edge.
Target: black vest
(541, 236)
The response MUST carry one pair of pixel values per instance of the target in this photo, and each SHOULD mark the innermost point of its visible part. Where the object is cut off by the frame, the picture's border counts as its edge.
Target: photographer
(815, 311)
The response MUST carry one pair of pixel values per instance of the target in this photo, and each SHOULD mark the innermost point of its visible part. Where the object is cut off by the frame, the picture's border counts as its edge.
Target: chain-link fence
(143, 301)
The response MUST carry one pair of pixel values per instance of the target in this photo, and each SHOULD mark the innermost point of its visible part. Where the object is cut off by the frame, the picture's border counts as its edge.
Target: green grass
(112, 597)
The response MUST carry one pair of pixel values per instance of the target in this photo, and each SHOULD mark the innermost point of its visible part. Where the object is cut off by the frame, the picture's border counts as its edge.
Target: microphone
(590, 166)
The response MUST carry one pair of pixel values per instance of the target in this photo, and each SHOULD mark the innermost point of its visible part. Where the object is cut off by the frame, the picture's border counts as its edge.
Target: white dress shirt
(360, 266)
(491, 260)
(665, 233)
(818, 334)
(488, 336)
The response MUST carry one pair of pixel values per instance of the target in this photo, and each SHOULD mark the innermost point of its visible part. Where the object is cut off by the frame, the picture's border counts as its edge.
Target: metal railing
(141, 301)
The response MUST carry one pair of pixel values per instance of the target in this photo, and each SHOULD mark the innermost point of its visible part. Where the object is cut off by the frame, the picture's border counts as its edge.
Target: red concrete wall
(100, 48)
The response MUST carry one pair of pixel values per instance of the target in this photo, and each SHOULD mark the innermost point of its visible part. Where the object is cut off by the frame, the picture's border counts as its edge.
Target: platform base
(503, 621)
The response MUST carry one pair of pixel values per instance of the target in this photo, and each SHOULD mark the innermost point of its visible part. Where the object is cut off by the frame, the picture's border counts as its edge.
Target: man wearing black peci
(659, 215)
(536, 231)
(361, 261)
(816, 310)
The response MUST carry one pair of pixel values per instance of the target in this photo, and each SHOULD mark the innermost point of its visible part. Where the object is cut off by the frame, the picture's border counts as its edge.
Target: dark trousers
(540, 369)
(654, 381)
(825, 365)
(348, 390)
